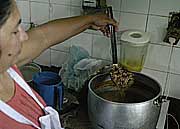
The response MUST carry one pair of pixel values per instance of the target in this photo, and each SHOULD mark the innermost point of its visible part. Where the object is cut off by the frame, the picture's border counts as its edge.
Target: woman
(20, 107)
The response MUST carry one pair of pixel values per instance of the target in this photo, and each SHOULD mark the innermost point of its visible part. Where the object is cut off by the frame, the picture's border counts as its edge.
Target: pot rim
(118, 103)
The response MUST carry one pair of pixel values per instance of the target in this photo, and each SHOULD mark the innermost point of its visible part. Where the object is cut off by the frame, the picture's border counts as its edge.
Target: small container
(133, 51)
(29, 70)
(50, 87)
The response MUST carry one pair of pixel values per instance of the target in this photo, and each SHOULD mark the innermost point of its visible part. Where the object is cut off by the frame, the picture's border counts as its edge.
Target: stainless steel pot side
(106, 114)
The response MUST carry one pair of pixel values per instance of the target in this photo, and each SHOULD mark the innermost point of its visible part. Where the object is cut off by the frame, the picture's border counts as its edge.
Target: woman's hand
(101, 22)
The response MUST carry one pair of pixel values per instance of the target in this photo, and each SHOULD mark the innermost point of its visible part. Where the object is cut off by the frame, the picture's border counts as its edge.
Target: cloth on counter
(78, 68)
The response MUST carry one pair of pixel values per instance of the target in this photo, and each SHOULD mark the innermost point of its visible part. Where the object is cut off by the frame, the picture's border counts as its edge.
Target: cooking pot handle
(158, 101)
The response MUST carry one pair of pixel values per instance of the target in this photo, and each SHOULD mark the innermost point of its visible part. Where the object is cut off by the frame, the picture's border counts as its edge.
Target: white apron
(49, 121)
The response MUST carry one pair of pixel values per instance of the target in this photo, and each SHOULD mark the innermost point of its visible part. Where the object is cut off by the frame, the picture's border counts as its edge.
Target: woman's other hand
(101, 22)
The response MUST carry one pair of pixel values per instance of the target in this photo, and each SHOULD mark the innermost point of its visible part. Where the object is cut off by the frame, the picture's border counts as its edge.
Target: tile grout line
(147, 18)
(49, 17)
(178, 74)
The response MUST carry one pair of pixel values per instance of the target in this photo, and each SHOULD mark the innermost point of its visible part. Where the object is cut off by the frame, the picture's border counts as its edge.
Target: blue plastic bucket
(50, 88)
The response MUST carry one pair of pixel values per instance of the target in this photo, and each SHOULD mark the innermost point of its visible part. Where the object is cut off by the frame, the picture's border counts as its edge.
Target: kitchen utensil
(112, 36)
(139, 110)
(111, 30)
(120, 76)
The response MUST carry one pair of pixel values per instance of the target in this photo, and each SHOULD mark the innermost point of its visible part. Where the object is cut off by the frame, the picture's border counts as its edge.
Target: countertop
(75, 115)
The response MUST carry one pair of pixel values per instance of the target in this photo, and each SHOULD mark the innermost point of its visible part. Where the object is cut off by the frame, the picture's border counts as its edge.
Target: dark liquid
(136, 93)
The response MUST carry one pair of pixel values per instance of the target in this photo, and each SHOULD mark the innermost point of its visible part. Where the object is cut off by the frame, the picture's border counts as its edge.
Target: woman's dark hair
(5, 10)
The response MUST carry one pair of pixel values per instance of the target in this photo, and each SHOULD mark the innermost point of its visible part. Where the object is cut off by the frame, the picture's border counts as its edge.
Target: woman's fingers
(104, 20)
(102, 23)
(105, 31)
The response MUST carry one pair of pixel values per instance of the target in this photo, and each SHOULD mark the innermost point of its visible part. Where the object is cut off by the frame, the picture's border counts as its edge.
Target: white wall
(148, 15)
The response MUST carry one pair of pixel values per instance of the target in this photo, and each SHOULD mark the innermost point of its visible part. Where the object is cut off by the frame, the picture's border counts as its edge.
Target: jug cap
(136, 37)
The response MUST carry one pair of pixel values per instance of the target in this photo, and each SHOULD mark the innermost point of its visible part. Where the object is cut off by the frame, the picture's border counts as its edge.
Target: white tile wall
(64, 46)
(175, 61)
(39, 12)
(66, 2)
(116, 4)
(25, 26)
(157, 27)
(173, 83)
(25, 10)
(58, 58)
(147, 15)
(135, 6)
(163, 7)
(101, 47)
(44, 58)
(132, 21)
(59, 11)
(76, 3)
(157, 57)
(84, 40)
(75, 11)
(41, 1)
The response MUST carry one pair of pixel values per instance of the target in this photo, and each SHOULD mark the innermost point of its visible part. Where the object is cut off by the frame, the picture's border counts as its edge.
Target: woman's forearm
(57, 31)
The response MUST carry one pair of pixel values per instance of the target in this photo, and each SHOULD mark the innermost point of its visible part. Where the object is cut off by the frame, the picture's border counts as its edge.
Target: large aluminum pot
(140, 113)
